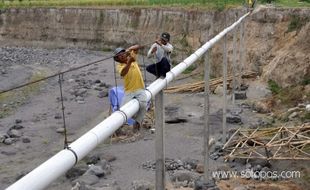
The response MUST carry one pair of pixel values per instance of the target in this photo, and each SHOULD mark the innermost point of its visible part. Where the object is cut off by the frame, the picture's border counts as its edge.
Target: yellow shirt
(133, 79)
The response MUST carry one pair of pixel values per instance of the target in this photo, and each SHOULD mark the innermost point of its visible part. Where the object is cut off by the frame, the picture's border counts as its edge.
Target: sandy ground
(38, 111)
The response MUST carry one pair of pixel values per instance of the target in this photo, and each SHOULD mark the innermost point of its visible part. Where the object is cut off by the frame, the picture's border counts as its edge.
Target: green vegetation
(296, 23)
(107, 49)
(290, 96)
(218, 4)
(190, 69)
(274, 87)
(305, 81)
(305, 117)
(45, 141)
(292, 3)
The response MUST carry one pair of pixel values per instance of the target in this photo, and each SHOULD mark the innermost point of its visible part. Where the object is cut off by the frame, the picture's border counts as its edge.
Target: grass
(218, 4)
(292, 3)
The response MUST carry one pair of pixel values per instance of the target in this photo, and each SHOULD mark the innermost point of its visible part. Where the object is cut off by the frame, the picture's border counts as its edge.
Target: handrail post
(224, 86)
(206, 148)
(159, 138)
(240, 56)
(234, 66)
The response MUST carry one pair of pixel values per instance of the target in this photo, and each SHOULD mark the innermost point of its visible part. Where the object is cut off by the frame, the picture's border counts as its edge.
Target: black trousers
(159, 69)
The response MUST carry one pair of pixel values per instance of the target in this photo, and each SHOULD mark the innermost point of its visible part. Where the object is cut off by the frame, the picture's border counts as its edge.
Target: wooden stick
(275, 136)
(248, 137)
(301, 151)
(278, 158)
(226, 144)
(296, 140)
(277, 151)
(252, 150)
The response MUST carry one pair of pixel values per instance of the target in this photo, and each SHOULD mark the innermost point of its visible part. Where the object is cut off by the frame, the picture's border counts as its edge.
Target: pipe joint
(124, 115)
(150, 93)
(74, 153)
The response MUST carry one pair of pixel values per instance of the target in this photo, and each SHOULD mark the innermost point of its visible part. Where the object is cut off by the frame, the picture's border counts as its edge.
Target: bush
(291, 96)
(305, 117)
(295, 24)
(190, 69)
(267, 1)
(274, 87)
(305, 81)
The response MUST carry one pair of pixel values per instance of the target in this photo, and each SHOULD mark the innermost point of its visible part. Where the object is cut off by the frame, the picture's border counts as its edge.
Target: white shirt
(162, 51)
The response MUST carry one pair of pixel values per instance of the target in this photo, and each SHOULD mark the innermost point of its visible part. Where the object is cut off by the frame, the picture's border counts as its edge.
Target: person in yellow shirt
(251, 3)
(129, 70)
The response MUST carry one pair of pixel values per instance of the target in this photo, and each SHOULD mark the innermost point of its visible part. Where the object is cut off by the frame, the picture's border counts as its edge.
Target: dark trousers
(159, 69)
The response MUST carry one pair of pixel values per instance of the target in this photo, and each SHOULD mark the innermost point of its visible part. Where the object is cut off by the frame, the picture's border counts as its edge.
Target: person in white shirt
(161, 50)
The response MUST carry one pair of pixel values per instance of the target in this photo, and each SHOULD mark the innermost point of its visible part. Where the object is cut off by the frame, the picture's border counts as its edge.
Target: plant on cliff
(274, 87)
(296, 23)
(305, 82)
(267, 1)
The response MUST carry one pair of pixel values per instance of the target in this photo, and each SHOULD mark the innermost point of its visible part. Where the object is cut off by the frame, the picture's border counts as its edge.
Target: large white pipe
(50, 170)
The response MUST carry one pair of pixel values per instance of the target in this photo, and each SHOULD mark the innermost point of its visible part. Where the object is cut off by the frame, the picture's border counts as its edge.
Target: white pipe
(50, 170)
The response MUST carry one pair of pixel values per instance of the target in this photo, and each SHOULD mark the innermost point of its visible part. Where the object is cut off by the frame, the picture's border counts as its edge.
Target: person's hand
(158, 42)
(154, 50)
(134, 48)
(130, 59)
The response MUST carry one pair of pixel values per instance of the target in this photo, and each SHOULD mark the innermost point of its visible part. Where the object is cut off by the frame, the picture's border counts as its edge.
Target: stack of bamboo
(199, 86)
(280, 143)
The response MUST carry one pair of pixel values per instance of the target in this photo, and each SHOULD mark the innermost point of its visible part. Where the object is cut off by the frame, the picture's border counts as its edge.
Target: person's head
(120, 55)
(165, 37)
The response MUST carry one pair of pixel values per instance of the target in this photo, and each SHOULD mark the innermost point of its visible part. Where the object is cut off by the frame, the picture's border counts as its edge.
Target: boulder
(308, 108)
(234, 119)
(88, 179)
(184, 175)
(201, 184)
(76, 171)
(17, 127)
(219, 90)
(14, 133)
(142, 185)
(262, 107)
(240, 95)
(96, 170)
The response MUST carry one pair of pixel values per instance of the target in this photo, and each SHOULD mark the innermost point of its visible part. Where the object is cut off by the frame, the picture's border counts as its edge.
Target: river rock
(13, 133)
(88, 179)
(142, 185)
(96, 170)
(240, 95)
(308, 108)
